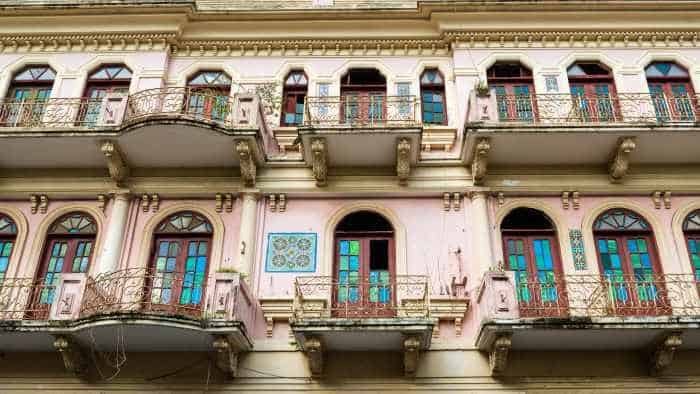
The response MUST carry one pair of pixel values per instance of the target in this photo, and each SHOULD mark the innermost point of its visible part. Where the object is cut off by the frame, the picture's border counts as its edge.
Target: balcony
(588, 312)
(207, 128)
(362, 316)
(76, 314)
(361, 131)
(566, 129)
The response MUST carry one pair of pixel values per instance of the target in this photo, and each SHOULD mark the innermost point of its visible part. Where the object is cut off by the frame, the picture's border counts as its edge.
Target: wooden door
(673, 101)
(178, 277)
(91, 108)
(595, 101)
(364, 277)
(363, 107)
(26, 107)
(210, 103)
(515, 102)
(539, 283)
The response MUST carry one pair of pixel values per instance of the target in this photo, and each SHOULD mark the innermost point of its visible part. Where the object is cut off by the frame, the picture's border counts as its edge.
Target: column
(114, 237)
(246, 240)
(481, 232)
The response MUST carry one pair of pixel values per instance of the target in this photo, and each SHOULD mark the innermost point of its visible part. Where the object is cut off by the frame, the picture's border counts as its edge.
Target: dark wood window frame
(434, 88)
(291, 95)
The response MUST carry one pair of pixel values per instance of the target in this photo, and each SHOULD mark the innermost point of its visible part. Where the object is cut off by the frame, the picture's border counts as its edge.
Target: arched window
(671, 91)
(180, 263)
(514, 89)
(8, 236)
(593, 90)
(294, 96)
(531, 251)
(364, 265)
(70, 244)
(29, 89)
(432, 89)
(107, 79)
(208, 95)
(363, 96)
(629, 262)
(691, 231)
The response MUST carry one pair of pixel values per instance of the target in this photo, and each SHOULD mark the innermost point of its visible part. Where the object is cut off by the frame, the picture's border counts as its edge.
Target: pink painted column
(246, 245)
(481, 232)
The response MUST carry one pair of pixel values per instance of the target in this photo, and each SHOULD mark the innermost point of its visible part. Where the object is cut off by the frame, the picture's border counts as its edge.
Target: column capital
(124, 195)
(477, 194)
(250, 196)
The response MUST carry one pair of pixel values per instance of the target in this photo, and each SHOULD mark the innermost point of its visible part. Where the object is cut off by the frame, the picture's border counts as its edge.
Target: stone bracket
(73, 355)
(223, 202)
(664, 351)
(314, 353)
(38, 203)
(225, 355)
(248, 168)
(480, 161)
(498, 355)
(403, 160)
(411, 355)
(619, 164)
(118, 169)
(319, 153)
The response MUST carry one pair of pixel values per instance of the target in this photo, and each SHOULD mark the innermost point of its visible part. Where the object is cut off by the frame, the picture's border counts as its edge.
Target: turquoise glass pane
(354, 263)
(192, 249)
(190, 264)
(342, 294)
(163, 249)
(373, 294)
(201, 264)
(185, 296)
(196, 295)
(343, 277)
(354, 294)
(3, 264)
(345, 247)
(343, 264)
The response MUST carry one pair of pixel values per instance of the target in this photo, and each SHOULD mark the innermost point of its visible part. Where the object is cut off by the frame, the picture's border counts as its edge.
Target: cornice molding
(86, 42)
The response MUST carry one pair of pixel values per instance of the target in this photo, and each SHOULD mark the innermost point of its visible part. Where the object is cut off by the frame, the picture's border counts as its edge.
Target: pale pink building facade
(349, 195)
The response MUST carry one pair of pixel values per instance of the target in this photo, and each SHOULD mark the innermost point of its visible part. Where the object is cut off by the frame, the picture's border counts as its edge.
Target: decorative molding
(228, 202)
(446, 202)
(314, 353)
(667, 199)
(118, 169)
(74, 359)
(501, 198)
(248, 169)
(88, 42)
(282, 204)
(319, 156)
(456, 201)
(277, 202)
(576, 199)
(662, 355)
(578, 252)
(498, 356)
(272, 202)
(570, 199)
(403, 160)
(102, 201)
(276, 310)
(411, 355)
(145, 202)
(155, 202)
(43, 204)
(451, 309)
(480, 161)
(225, 356)
(619, 164)
(656, 199)
(291, 252)
(452, 201)
(33, 203)
(565, 200)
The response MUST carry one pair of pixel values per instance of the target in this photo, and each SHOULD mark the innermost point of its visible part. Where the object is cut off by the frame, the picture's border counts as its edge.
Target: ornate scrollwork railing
(602, 295)
(406, 296)
(577, 109)
(56, 112)
(25, 299)
(368, 111)
(194, 103)
(144, 291)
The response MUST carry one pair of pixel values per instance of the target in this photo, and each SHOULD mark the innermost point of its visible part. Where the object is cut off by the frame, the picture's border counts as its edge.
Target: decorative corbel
(272, 202)
(248, 169)
(665, 349)
(282, 204)
(43, 204)
(576, 200)
(403, 160)
(656, 198)
(565, 200)
(73, 356)
(118, 169)
(501, 198)
(667, 200)
(480, 161)
(228, 202)
(101, 202)
(155, 202)
(411, 355)
(219, 202)
(314, 353)
(498, 356)
(145, 202)
(226, 358)
(446, 202)
(319, 166)
(456, 201)
(33, 203)
(619, 165)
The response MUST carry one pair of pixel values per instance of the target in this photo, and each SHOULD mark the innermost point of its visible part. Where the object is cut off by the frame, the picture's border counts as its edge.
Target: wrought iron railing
(402, 296)
(55, 112)
(194, 103)
(143, 290)
(603, 295)
(366, 110)
(582, 109)
(26, 298)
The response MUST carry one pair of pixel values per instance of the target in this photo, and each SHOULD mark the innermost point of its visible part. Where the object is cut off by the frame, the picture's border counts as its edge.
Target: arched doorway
(363, 96)
(531, 251)
(592, 88)
(365, 268)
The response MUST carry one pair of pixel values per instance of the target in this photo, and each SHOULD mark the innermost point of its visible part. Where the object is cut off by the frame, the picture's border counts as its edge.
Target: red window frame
(667, 84)
(510, 85)
(364, 308)
(210, 94)
(364, 97)
(537, 307)
(291, 95)
(590, 98)
(26, 115)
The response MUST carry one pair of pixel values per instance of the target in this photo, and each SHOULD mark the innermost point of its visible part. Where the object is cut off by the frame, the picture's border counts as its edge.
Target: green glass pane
(76, 265)
(384, 277)
(190, 264)
(696, 261)
(160, 263)
(636, 261)
(612, 246)
(519, 247)
(354, 277)
(342, 294)
(513, 262)
(343, 263)
(202, 248)
(172, 249)
(186, 296)
(354, 247)
(7, 249)
(52, 264)
(373, 294)
(642, 245)
(88, 247)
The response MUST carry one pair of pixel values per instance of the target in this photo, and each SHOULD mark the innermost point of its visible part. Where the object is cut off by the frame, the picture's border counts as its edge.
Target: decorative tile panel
(576, 238)
(291, 252)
